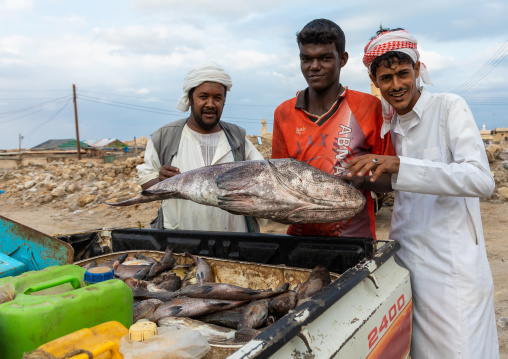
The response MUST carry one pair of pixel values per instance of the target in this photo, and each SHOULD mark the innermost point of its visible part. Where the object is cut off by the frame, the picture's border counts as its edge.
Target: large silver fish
(284, 190)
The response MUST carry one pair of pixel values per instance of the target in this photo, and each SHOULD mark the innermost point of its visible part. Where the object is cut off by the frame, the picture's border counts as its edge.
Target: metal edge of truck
(351, 318)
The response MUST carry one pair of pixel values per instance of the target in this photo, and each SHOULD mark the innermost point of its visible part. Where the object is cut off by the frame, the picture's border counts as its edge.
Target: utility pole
(76, 120)
(19, 149)
(135, 147)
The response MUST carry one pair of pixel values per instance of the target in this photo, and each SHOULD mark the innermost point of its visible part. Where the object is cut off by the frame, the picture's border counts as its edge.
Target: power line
(84, 97)
(34, 109)
(41, 105)
(160, 112)
(493, 61)
(51, 119)
(152, 109)
(131, 96)
(25, 115)
(171, 100)
(34, 90)
(25, 98)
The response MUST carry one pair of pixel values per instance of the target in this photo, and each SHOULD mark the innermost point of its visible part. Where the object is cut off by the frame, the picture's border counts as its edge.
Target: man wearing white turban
(439, 173)
(201, 139)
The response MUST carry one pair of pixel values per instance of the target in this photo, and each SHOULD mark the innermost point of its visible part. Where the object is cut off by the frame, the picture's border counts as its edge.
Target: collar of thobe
(418, 109)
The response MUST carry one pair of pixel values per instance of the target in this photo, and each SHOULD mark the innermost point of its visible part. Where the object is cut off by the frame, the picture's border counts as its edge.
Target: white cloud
(74, 21)
(250, 59)
(435, 60)
(144, 48)
(206, 9)
(359, 23)
(15, 5)
(14, 45)
(465, 23)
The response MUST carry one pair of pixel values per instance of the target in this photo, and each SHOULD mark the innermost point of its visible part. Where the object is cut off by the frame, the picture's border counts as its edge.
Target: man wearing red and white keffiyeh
(396, 40)
(439, 173)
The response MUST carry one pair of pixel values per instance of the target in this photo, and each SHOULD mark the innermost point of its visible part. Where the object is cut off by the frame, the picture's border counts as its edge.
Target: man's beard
(199, 120)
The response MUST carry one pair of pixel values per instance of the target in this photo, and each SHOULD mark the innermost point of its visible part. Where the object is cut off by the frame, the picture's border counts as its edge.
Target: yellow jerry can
(102, 341)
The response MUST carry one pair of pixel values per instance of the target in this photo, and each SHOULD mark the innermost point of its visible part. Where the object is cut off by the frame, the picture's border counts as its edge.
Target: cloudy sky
(128, 58)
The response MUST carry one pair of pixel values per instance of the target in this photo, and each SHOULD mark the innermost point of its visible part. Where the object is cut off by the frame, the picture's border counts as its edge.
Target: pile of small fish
(171, 294)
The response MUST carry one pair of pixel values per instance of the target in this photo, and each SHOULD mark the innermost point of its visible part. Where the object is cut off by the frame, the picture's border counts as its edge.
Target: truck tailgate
(337, 255)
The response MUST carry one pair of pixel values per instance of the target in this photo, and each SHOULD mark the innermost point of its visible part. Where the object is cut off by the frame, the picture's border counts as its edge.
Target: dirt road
(53, 220)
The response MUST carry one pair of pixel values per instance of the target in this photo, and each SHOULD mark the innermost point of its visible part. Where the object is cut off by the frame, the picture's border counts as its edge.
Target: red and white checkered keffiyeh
(402, 41)
(399, 40)
(372, 52)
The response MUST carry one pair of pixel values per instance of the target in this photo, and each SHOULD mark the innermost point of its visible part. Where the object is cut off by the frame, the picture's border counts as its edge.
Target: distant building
(59, 145)
(501, 134)
(109, 143)
(487, 135)
(374, 91)
(90, 142)
(263, 128)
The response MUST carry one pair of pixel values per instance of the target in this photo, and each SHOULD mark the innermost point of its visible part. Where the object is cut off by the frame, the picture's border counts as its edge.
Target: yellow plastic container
(102, 341)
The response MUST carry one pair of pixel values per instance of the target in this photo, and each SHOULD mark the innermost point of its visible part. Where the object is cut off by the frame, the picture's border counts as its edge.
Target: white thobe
(184, 214)
(436, 217)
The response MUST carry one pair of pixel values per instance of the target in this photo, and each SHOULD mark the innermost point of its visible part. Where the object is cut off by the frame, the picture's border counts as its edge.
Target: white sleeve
(150, 169)
(468, 174)
(251, 152)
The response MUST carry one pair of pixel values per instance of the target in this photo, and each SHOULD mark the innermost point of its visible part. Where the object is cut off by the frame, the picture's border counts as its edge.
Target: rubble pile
(71, 184)
(265, 148)
(88, 183)
(498, 159)
(81, 184)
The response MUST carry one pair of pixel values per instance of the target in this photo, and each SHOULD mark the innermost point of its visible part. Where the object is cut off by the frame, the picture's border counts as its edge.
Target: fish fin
(236, 203)
(237, 178)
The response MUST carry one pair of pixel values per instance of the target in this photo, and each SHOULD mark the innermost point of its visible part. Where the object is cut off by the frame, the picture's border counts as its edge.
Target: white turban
(207, 72)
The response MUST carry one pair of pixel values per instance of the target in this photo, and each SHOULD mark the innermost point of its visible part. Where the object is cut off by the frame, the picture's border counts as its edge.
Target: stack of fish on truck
(170, 294)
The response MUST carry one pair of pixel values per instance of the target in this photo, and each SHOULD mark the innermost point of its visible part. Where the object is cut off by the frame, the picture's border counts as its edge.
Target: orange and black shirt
(349, 129)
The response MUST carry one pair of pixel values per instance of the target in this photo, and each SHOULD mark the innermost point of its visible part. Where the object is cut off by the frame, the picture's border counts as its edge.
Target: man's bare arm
(164, 173)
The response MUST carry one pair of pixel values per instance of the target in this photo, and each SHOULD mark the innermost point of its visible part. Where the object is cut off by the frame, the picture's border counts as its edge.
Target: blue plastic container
(9, 266)
(34, 249)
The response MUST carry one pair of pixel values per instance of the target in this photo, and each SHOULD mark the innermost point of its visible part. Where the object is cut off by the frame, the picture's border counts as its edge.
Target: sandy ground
(50, 219)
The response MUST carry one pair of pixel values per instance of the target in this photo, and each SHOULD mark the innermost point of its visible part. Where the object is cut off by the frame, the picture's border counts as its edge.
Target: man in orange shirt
(326, 125)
